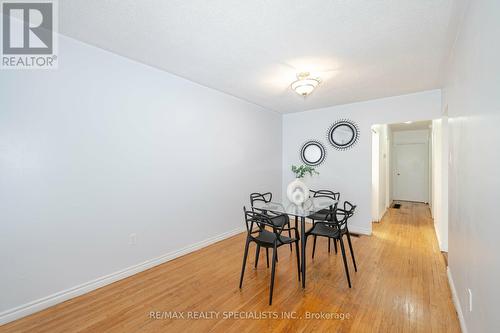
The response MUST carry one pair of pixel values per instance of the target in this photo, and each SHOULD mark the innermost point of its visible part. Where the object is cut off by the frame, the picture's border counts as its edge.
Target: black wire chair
(334, 226)
(256, 223)
(277, 219)
(321, 215)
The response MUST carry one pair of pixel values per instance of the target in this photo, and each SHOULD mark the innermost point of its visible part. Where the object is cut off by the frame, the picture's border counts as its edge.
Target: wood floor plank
(401, 286)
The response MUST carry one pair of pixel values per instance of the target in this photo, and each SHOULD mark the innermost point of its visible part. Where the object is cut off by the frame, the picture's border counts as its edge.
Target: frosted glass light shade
(304, 85)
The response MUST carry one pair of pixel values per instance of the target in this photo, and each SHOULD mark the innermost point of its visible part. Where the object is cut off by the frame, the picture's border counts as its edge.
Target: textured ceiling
(252, 49)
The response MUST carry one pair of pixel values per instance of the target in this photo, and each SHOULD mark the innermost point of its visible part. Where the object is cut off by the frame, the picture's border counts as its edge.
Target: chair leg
(267, 256)
(329, 241)
(306, 236)
(314, 246)
(335, 245)
(352, 252)
(345, 262)
(257, 253)
(274, 230)
(272, 275)
(289, 235)
(298, 257)
(244, 262)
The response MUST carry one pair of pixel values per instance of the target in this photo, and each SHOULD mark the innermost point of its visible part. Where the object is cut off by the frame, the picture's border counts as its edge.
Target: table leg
(303, 249)
(297, 227)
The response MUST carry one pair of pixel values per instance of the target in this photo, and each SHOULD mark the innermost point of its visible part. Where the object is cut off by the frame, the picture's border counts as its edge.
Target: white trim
(456, 301)
(59, 297)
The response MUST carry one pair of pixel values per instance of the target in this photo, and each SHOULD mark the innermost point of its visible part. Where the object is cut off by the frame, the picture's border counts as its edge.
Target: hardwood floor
(400, 286)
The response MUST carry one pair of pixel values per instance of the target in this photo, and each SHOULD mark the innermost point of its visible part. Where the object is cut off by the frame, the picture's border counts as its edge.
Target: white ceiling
(362, 49)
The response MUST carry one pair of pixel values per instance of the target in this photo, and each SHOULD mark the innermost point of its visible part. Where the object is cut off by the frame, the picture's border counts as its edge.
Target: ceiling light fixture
(408, 122)
(305, 84)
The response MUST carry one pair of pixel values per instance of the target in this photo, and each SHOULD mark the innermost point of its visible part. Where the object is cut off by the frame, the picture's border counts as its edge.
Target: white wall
(350, 171)
(440, 180)
(375, 188)
(380, 190)
(384, 171)
(104, 147)
(410, 136)
(472, 95)
(388, 180)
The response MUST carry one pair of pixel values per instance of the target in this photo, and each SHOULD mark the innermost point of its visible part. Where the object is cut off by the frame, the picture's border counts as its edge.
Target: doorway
(411, 166)
(411, 171)
(409, 163)
(401, 164)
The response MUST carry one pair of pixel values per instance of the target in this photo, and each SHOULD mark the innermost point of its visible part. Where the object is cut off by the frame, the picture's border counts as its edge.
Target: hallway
(401, 285)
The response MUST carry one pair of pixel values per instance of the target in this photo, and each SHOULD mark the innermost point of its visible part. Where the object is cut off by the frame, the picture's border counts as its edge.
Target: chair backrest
(264, 197)
(349, 208)
(325, 194)
(339, 217)
(257, 218)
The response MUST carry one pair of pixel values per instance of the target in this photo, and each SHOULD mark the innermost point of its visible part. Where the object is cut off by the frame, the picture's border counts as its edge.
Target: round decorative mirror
(343, 134)
(313, 153)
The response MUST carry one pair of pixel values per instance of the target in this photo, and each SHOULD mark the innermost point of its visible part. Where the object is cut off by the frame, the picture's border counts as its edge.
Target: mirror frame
(313, 143)
(343, 122)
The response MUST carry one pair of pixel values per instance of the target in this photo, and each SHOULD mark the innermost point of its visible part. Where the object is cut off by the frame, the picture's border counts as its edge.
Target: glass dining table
(309, 207)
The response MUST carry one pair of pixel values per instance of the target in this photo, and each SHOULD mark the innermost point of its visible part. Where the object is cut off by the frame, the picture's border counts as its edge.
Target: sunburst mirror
(343, 134)
(312, 153)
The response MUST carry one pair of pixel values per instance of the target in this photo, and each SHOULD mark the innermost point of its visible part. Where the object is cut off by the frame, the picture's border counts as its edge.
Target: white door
(411, 172)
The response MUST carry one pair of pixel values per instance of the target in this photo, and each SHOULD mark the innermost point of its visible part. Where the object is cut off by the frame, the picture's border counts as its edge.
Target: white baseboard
(59, 297)
(456, 301)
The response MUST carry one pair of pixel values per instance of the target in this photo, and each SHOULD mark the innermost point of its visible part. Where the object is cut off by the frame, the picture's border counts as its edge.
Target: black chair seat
(262, 230)
(320, 229)
(334, 226)
(267, 238)
(278, 220)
